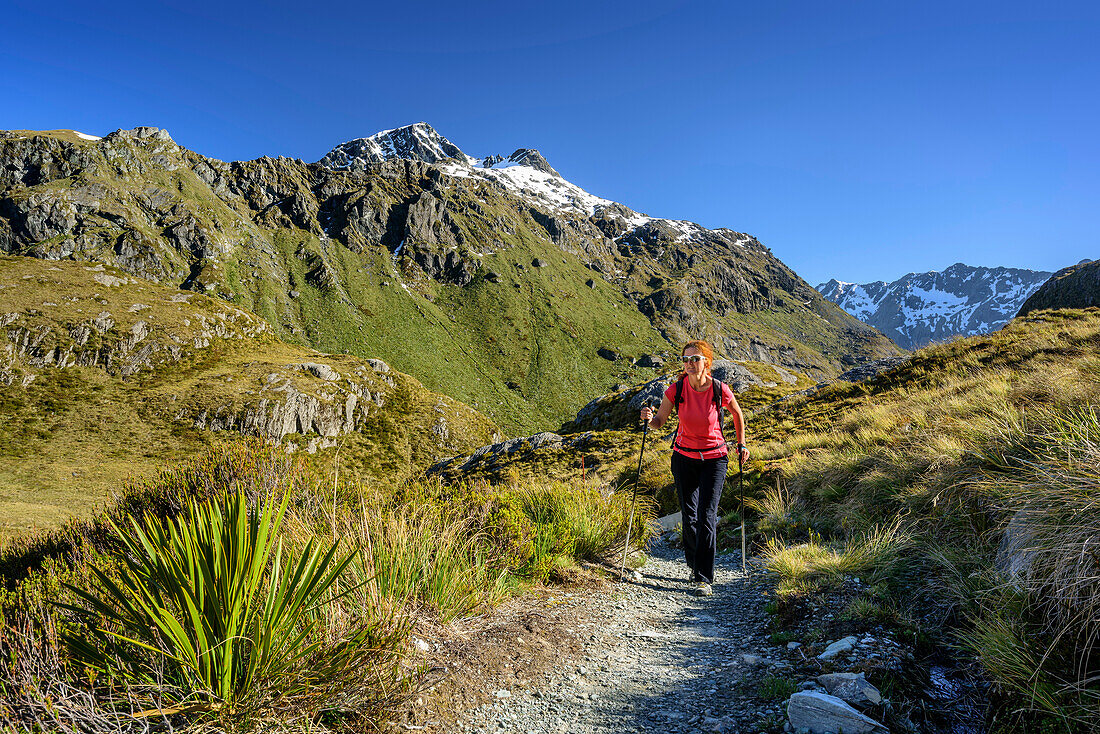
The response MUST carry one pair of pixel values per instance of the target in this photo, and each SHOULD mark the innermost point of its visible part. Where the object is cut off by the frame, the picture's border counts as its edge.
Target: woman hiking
(699, 454)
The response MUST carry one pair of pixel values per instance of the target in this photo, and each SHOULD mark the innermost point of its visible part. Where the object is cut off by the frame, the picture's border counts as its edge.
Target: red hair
(702, 347)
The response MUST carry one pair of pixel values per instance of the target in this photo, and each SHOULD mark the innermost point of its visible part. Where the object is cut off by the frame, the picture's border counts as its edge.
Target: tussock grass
(967, 483)
(412, 555)
(246, 590)
(813, 564)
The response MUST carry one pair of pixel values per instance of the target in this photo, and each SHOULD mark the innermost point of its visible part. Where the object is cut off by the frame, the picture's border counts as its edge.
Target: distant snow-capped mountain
(921, 308)
(525, 173)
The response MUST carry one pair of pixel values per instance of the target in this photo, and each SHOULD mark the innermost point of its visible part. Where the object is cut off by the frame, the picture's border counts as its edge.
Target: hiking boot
(702, 589)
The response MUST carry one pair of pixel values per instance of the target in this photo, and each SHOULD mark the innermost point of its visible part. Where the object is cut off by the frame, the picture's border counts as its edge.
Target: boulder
(838, 647)
(320, 371)
(1018, 547)
(821, 713)
(871, 369)
(852, 687)
(737, 376)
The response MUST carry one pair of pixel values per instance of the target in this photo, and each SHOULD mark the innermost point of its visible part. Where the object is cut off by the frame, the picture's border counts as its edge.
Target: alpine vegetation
(961, 488)
(249, 591)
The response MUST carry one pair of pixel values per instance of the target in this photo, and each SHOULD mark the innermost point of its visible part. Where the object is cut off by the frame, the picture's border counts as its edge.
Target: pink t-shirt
(699, 428)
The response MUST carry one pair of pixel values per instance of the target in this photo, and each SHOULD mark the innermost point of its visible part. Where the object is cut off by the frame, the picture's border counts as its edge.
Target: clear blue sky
(859, 140)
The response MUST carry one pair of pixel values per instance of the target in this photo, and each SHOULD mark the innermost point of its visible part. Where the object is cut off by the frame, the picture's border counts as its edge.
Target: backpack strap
(718, 404)
(679, 395)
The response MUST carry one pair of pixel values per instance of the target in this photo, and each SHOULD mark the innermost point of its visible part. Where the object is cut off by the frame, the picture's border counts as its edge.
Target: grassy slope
(538, 328)
(947, 450)
(72, 435)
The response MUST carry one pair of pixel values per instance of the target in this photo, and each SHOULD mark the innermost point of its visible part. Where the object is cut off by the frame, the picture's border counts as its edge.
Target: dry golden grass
(948, 450)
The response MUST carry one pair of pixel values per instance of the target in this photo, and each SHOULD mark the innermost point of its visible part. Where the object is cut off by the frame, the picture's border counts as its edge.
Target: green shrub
(775, 688)
(210, 600)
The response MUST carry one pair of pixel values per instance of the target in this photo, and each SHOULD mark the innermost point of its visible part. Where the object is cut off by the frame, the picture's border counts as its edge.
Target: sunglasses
(693, 358)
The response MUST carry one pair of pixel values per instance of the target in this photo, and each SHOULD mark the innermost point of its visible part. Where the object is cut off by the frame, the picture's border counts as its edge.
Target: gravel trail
(657, 658)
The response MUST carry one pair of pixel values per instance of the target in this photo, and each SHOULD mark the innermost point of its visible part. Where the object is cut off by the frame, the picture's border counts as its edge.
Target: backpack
(717, 384)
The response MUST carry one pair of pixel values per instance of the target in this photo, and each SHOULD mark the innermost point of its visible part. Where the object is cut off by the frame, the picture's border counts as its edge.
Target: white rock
(502, 693)
(838, 647)
(669, 522)
(793, 645)
(321, 371)
(852, 687)
(825, 714)
(421, 645)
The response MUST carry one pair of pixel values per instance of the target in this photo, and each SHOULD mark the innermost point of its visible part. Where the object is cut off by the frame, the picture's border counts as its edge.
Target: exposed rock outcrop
(230, 368)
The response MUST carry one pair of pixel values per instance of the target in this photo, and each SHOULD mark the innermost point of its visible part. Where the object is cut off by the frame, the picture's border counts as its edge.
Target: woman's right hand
(647, 414)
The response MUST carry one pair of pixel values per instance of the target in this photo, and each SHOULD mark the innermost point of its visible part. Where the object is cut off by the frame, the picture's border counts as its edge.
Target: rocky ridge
(1077, 286)
(920, 308)
(433, 245)
(102, 318)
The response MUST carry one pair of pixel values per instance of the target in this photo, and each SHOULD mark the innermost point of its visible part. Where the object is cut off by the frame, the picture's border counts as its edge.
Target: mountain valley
(491, 280)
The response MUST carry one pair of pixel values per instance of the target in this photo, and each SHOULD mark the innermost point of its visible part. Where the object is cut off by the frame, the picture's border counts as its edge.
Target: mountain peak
(421, 142)
(920, 308)
(418, 142)
(533, 159)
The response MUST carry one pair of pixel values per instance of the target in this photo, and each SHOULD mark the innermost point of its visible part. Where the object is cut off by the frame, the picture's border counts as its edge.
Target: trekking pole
(741, 491)
(633, 499)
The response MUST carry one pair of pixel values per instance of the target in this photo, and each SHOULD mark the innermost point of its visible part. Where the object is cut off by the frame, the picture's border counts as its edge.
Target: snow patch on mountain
(525, 173)
(921, 308)
(550, 190)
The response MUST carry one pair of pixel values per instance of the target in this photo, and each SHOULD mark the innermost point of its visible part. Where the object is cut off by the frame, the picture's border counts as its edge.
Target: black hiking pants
(699, 485)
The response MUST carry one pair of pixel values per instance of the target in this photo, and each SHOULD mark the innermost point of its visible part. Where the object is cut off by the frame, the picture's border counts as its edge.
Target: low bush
(217, 594)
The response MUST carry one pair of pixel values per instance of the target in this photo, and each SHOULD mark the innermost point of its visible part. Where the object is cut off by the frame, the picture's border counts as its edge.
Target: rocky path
(657, 658)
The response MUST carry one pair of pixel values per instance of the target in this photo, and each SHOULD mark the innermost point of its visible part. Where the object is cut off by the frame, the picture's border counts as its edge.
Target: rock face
(871, 369)
(108, 329)
(1077, 286)
(921, 308)
(403, 227)
(487, 457)
(416, 142)
(821, 713)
